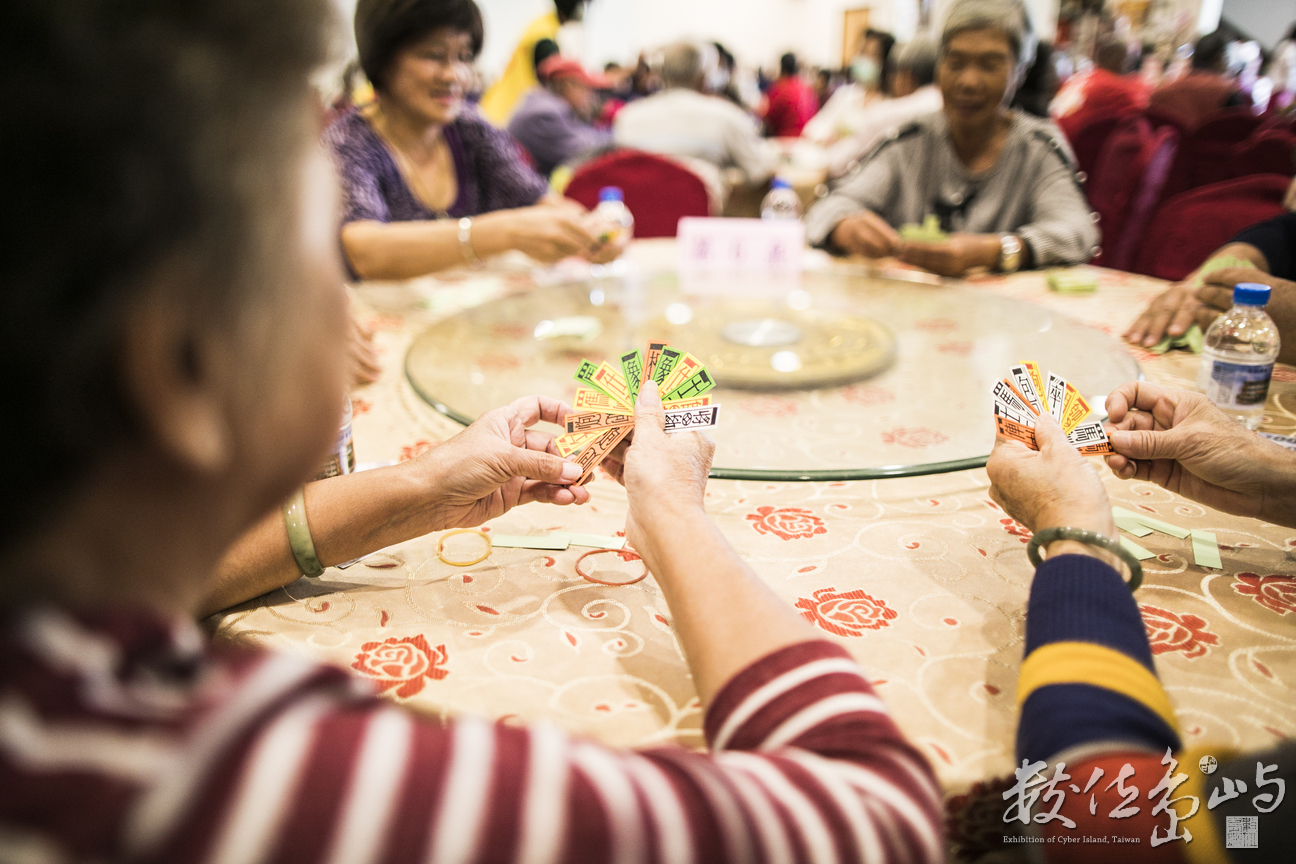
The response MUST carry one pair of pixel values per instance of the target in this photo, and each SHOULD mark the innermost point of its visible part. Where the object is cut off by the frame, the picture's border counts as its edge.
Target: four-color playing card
(1026, 394)
(604, 412)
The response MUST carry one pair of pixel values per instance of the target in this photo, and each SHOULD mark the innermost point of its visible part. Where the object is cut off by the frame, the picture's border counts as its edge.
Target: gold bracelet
(477, 560)
(299, 535)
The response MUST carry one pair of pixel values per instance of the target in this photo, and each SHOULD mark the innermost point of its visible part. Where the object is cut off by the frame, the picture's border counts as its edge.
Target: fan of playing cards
(1024, 395)
(605, 406)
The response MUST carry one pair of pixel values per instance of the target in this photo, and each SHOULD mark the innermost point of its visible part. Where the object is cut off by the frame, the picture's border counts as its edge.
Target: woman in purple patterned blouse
(426, 183)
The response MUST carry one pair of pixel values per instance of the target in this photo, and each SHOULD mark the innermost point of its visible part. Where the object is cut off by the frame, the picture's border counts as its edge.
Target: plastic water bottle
(781, 202)
(1238, 357)
(615, 221)
(341, 459)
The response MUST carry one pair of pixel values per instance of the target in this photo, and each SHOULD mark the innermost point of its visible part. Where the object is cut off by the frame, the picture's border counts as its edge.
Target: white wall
(1265, 20)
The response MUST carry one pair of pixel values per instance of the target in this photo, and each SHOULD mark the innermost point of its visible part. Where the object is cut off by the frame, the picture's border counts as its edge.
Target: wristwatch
(1010, 253)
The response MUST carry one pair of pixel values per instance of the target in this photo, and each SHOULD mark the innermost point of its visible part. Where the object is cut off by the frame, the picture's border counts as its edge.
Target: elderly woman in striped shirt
(151, 422)
(1002, 184)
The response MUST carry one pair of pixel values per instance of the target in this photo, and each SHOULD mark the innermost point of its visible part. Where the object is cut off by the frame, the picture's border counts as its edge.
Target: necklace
(406, 165)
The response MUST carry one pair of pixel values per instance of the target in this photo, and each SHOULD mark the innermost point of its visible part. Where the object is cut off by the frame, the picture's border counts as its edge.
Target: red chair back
(1120, 248)
(1120, 167)
(1204, 153)
(1089, 141)
(1265, 152)
(657, 191)
(1190, 226)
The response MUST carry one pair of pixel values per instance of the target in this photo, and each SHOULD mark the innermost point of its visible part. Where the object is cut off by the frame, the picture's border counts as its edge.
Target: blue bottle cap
(1250, 294)
(611, 193)
(780, 183)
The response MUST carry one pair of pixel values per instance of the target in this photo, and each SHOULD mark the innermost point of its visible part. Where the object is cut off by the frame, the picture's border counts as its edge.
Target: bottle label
(1238, 385)
(342, 458)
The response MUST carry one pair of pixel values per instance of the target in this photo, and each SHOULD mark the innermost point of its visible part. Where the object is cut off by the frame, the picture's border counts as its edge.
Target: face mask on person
(864, 70)
(717, 80)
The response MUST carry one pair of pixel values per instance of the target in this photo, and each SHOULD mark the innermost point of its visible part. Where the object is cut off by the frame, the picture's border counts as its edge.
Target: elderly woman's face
(428, 77)
(974, 72)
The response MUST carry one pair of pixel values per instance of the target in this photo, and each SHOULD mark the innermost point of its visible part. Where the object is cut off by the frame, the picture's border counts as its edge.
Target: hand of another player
(550, 233)
(1216, 296)
(361, 351)
(1170, 312)
(953, 256)
(663, 474)
(1179, 440)
(865, 233)
(498, 463)
(1051, 487)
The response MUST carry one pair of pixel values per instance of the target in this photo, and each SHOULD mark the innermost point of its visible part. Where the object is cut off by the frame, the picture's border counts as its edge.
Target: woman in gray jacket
(1001, 183)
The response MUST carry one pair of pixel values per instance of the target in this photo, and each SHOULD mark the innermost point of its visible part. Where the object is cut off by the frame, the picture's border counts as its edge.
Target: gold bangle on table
(299, 535)
(477, 560)
(623, 553)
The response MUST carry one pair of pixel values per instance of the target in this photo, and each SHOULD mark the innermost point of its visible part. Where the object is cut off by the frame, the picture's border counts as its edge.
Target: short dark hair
(543, 50)
(788, 64)
(1209, 51)
(1112, 55)
(384, 27)
(152, 133)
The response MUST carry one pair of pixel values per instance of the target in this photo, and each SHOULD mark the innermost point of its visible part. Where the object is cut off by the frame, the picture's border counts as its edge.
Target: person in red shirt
(789, 103)
(1107, 91)
(1204, 90)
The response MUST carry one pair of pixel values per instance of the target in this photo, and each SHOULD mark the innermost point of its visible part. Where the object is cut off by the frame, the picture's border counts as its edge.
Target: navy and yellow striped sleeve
(1087, 675)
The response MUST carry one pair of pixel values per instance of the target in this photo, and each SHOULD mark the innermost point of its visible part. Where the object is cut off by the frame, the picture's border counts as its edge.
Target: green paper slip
(1072, 283)
(1223, 262)
(1133, 526)
(594, 541)
(1154, 524)
(1136, 550)
(512, 541)
(1192, 339)
(1206, 550)
(928, 232)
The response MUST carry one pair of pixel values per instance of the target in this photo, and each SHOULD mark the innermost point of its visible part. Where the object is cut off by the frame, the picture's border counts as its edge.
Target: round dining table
(920, 576)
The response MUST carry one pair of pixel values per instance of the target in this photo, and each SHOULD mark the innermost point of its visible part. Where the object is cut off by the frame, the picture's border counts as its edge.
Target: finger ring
(477, 560)
(624, 557)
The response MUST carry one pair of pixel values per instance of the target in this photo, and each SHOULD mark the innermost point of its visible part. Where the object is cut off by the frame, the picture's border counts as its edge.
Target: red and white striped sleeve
(272, 759)
(806, 767)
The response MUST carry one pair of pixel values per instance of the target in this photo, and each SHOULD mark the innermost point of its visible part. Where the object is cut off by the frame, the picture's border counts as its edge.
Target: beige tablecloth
(924, 580)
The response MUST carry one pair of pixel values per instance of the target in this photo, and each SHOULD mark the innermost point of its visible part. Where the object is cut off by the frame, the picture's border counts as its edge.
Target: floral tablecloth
(924, 580)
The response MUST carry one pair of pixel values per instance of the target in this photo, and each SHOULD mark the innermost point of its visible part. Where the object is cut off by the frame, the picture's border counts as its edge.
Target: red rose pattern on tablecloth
(404, 664)
(1170, 632)
(1015, 528)
(937, 325)
(913, 436)
(769, 406)
(870, 394)
(846, 614)
(360, 406)
(787, 523)
(1274, 592)
(1281, 374)
(960, 347)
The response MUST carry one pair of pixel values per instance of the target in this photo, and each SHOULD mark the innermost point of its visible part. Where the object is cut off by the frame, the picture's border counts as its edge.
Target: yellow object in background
(519, 75)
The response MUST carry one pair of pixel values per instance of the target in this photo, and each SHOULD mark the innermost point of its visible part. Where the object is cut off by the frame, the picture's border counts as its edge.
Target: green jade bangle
(1089, 538)
(299, 535)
